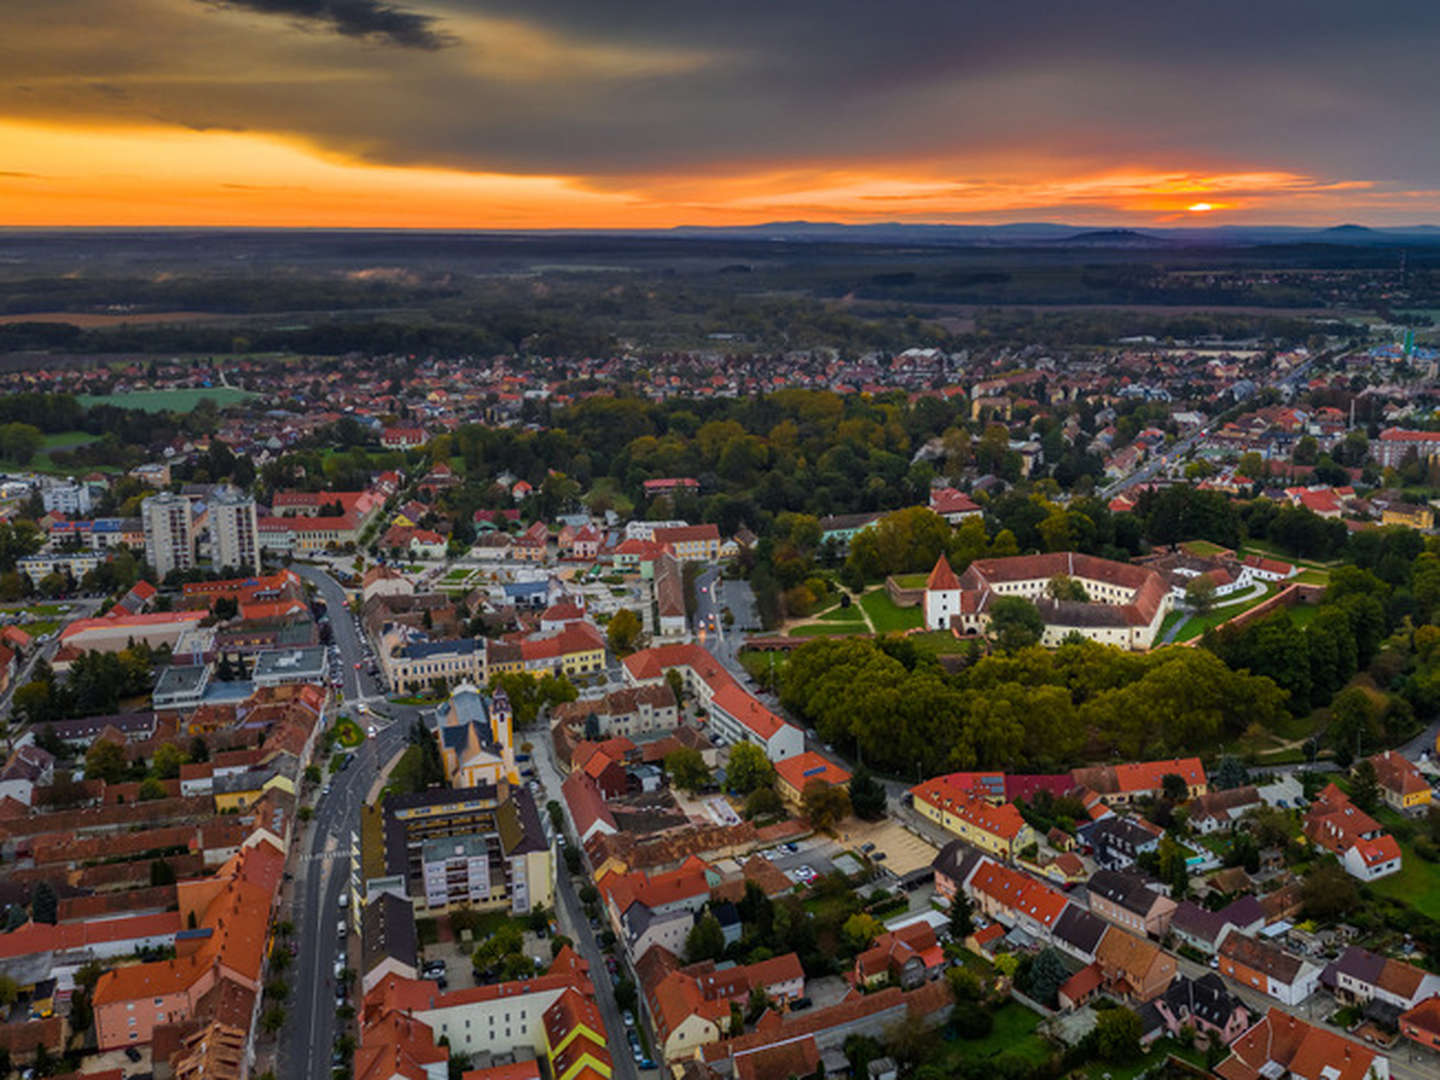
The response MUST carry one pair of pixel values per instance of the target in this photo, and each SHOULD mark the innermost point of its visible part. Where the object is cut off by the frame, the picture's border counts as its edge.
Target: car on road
(344, 900)
(370, 731)
(342, 928)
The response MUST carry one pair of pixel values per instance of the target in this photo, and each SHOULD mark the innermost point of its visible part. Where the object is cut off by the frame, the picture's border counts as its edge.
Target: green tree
(705, 941)
(623, 631)
(1365, 787)
(1015, 623)
(1063, 587)
(867, 795)
(1230, 773)
(687, 769)
(44, 904)
(962, 917)
(1046, 975)
(105, 761)
(1200, 594)
(825, 805)
(763, 802)
(748, 768)
(1328, 892)
(151, 789)
(1174, 788)
(861, 929)
(1117, 1036)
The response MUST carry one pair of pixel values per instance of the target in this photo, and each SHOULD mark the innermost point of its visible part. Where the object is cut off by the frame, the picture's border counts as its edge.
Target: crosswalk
(322, 856)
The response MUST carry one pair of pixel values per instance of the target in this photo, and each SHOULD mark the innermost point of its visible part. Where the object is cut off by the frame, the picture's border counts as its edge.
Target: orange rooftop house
(794, 774)
(995, 830)
(1363, 847)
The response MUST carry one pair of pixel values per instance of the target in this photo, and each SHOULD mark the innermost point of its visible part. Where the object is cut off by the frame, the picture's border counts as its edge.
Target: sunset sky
(633, 113)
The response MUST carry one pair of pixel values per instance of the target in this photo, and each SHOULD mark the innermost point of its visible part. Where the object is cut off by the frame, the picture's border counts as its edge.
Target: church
(477, 738)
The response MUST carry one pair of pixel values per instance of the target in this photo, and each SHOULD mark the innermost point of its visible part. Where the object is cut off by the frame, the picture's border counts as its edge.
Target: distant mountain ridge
(1055, 233)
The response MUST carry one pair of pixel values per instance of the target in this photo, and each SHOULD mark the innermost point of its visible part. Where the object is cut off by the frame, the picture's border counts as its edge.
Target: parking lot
(904, 851)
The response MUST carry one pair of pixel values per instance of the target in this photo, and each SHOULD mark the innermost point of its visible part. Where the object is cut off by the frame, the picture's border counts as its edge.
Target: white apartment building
(235, 530)
(169, 532)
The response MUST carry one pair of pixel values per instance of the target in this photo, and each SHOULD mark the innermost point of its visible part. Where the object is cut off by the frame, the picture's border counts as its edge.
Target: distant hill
(1116, 238)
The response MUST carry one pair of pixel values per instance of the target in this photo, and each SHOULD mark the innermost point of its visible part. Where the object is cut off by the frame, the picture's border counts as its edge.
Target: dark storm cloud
(354, 18)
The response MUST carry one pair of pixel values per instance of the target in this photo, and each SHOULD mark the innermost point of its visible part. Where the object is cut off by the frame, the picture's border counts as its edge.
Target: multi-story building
(455, 870)
(390, 855)
(169, 532)
(235, 530)
(735, 714)
(1126, 603)
(691, 543)
(71, 500)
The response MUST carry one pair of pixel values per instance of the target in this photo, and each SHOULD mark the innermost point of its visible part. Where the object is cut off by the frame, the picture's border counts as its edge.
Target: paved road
(320, 861)
(571, 915)
(79, 609)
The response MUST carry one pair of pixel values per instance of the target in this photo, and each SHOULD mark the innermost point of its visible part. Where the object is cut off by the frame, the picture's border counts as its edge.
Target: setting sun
(1200, 208)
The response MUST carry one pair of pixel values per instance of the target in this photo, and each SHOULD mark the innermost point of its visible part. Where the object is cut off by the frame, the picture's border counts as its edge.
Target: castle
(1126, 604)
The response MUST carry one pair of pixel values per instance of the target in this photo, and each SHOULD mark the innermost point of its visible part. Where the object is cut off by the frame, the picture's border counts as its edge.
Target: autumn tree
(623, 631)
(825, 805)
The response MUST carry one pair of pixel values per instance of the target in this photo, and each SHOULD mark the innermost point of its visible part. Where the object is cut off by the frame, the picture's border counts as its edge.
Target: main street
(570, 914)
(321, 864)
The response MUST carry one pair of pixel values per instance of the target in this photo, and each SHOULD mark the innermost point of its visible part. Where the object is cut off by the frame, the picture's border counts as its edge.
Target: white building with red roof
(1126, 604)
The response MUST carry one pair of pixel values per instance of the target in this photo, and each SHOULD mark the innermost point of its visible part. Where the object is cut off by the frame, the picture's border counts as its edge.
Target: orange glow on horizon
(168, 176)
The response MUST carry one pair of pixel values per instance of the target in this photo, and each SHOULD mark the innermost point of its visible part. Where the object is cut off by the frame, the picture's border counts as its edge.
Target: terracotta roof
(1280, 1042)
(942, 578)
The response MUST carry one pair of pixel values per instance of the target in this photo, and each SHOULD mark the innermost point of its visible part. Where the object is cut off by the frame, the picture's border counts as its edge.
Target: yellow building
(575, 1038)
(235, 792)
(996, 830)
(477, 739)
(1409, 514)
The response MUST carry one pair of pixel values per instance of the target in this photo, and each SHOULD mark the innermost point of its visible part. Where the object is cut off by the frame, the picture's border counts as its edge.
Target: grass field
(43, 462)
(1203, 548)
(886, 617)
(936, 643)
(831, 629)
(852, 614)
(1014, 1033)
(1197, 625)
(911, 581)
(182, 401)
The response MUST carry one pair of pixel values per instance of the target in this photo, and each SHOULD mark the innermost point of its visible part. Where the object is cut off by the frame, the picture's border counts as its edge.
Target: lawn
(43, 462)
(886, 617)
(911, 581)
(830, 629)
(182, 401)
(759, 664)
(1163, 1048)
(1203, 548)
(1014, 1033)
(348, 733)
(1198, 624)
(1271, 551)
(852, 614)
(935, 643)
(1417, 884)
